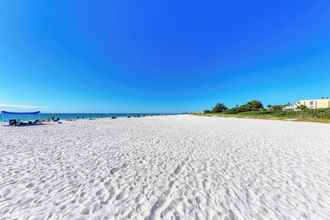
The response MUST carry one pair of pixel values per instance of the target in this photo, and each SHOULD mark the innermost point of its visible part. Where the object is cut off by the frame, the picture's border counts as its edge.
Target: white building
(310, 104)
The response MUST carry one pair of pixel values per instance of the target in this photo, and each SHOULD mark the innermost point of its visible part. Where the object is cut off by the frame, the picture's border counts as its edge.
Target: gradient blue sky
(161, 56)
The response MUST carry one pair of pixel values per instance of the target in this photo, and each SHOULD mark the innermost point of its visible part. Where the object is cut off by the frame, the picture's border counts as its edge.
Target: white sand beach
(166, 167)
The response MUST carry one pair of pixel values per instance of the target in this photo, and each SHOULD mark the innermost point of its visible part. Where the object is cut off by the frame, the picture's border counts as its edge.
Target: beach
(166, 167)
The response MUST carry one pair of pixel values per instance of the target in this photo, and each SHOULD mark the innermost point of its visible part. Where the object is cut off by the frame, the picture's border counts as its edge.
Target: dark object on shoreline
(55, 119)
(113, 117)
(128, 116)
(12, 122)
(21, 124)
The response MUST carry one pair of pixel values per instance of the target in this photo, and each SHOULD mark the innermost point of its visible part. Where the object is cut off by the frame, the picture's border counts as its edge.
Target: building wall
(323, 103)
(314, 103)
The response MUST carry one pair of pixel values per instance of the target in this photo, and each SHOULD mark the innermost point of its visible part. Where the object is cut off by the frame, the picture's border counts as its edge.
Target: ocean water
(69, 116)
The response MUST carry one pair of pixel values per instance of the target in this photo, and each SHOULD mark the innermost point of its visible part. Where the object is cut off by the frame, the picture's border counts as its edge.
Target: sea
(72, 116)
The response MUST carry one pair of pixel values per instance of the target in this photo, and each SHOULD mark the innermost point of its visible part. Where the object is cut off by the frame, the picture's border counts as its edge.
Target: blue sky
(161, 56)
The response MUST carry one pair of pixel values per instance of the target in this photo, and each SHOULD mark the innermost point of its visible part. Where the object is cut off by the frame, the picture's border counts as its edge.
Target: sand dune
(167, 167)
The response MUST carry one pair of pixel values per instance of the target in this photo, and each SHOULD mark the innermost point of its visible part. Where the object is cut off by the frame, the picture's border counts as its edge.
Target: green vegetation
(276, 107)
(255, 109)
(220, 107)
(253, 105)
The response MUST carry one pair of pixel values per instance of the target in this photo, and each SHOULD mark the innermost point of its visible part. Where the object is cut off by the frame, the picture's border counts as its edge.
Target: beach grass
(320, 115)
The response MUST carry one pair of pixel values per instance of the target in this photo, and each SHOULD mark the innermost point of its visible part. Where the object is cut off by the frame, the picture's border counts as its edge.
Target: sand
(166, 167)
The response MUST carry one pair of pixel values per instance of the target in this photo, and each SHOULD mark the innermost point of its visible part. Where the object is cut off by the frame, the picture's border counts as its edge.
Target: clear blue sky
(161, 56)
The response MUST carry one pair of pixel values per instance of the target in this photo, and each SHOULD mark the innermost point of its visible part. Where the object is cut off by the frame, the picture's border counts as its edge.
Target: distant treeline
(255, 109)
(253, 105)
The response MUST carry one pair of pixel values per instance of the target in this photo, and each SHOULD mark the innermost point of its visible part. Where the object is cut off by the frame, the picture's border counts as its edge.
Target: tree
(254, 105)
(207, 111)
(220, 107)
(302, 107)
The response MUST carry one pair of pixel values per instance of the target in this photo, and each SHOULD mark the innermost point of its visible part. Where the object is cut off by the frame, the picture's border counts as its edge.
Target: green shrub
(218, 108)
(276, 107)
(254, 105)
